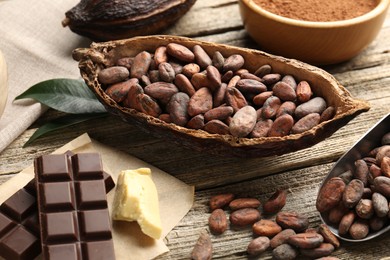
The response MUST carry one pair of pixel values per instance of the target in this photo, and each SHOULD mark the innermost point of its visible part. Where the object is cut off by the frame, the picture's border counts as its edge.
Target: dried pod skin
(113, 75)
(359, 229)
(281, 126)
(243, 122)
(220, 113)
(241, 203)
(197, 122)
(177, 108)
(200, 102)
(266, 227)
(233, 62)
(306, 240)
(329, 237)
(293, 220)
(353, 193)
(140, 65)
(315, 105)
(220, 201)
(324, 249)
(203, 249)
(218, 222)
(180, 52)
(346, 222)
(216, 127)
(361, 171)
(306, 123)
(282, 237)
(284, 91)
(275, 203)
(380, 204)
(261, 128)
(244, 217)
(304, 92)
(263, 70)
(258, 246)
(330, 194)
(184, 85)
(201, 57)
(284, 252)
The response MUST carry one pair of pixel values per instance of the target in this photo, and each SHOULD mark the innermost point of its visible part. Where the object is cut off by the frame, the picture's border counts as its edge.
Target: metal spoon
(369, 141)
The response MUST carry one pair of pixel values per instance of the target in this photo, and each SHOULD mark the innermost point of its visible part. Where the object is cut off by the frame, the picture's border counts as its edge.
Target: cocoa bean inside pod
(222, 76)
(120, 19)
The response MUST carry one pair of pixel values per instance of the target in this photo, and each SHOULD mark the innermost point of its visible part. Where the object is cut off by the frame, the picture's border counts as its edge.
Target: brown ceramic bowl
(317, 43)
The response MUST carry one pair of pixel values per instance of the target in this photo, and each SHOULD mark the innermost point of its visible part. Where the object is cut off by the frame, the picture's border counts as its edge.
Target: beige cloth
(36, 48)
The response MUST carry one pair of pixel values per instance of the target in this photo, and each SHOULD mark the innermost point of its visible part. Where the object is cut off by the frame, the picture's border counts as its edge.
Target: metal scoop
(361, 148)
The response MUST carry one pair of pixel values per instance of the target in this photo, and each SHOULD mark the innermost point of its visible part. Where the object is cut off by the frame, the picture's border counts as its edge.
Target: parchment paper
(175, 197)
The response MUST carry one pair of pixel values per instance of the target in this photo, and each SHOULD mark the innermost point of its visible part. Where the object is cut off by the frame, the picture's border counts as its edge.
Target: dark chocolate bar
(72, 205)
(19, 224)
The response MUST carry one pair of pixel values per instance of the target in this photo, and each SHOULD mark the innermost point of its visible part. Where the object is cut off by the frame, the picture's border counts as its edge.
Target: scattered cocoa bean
(337, 213)
(214, 78)
(197, 122)
(271, 78)
(166, 71)
(190, 69)
(220, 113)
(324, 249)
(118, 92)
(184, 85)
(250, 86)
(266, 227)
(287, 107)
(282, 237)
(235, 98)
(361, 171)
(275, 203)
(218, 221)
(293, 220)
(270, 107)
(203, 249)
(377, 223)
(241, 203)
(220, 201)
(260, 99)
(161, 91)
(177, 108)
(258, 245)
(306, 240)
(329, 237)
(284, 252)
(382, 185)
(160, 55)
(330, 194)
(328, 114)
(244, 217)
(386, 139)
(385, 166)
(218, 60)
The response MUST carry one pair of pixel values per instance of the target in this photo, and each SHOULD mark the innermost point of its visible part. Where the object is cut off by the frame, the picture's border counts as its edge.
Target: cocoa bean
(233, 81)
(284, 91)
(219, 95)
(243, 122)
(216, 127)
(324, 249)
(203, 249)
(140, 65)
(148, 105)
(131, 99)
(380, 204)
(241, 203)
(304, 92)
(374, 171)
(201, 57)
(290, 80)
(287, 107)
(361, 171)
(177, 108)
(281, 238)
(275, 203)
(145, 80)
(346, 176)
(166, 71)
(184, 84)
(260, 99)
(197, 122)
(200, 102)
(190, 69)
(199, 80)
(306, 240)
(160, 55)
(214, 78)
(382, 185)
(386, 139)
(328, 114)
(330, 194)
(177, 67)
(382, 152)
(220, 113)
(244, 217)
(367, 193)
(233, 62)
(218, 60)
(266, 227)
(270, 107)
(261, 128)
(284, 252)
(248, 75)
(353, 193)
(118, 92)
(235, 98)
(218, 221)
(359, 229)
(346, 222)
(337, 213)
(377, 223)
(154, 76)
(180, 52)
(125, 62)
(113, 75)
(240, 72)
(220, 201)
(385, 166)
(293, 220)
(306, 123)
(315, 105)
(165, 117)
(263, 70)
(227, 76)
(161, 91)
(258, 245)
(271, 79)
(281, 126)
(250, 86)
(329, 237)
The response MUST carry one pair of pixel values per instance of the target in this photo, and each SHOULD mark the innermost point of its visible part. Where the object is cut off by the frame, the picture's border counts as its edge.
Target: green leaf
(62, 122)
(66, 95)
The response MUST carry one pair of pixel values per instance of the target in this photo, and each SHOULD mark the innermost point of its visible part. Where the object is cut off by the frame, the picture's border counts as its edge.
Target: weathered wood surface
(367, 77)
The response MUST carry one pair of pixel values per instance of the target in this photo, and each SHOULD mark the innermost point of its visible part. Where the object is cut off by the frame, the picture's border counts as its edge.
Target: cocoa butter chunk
(243, 122)
(136, 199)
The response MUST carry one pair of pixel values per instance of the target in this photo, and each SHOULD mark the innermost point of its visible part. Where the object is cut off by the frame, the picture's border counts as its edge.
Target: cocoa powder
(318, 10)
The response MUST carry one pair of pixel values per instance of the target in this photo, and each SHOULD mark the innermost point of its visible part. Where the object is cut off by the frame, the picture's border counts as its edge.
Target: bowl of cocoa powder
(314, 31)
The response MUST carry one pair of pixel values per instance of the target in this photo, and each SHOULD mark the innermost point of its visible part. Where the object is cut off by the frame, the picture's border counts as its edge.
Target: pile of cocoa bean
(288, 236)
(190, 88)
(357, 201)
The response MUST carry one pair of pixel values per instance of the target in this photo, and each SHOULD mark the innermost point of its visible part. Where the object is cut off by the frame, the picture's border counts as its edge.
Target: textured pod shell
(100, 55)
(103, 20)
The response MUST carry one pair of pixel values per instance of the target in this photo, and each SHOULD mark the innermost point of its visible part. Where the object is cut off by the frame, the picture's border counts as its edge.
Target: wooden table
(367, 77)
